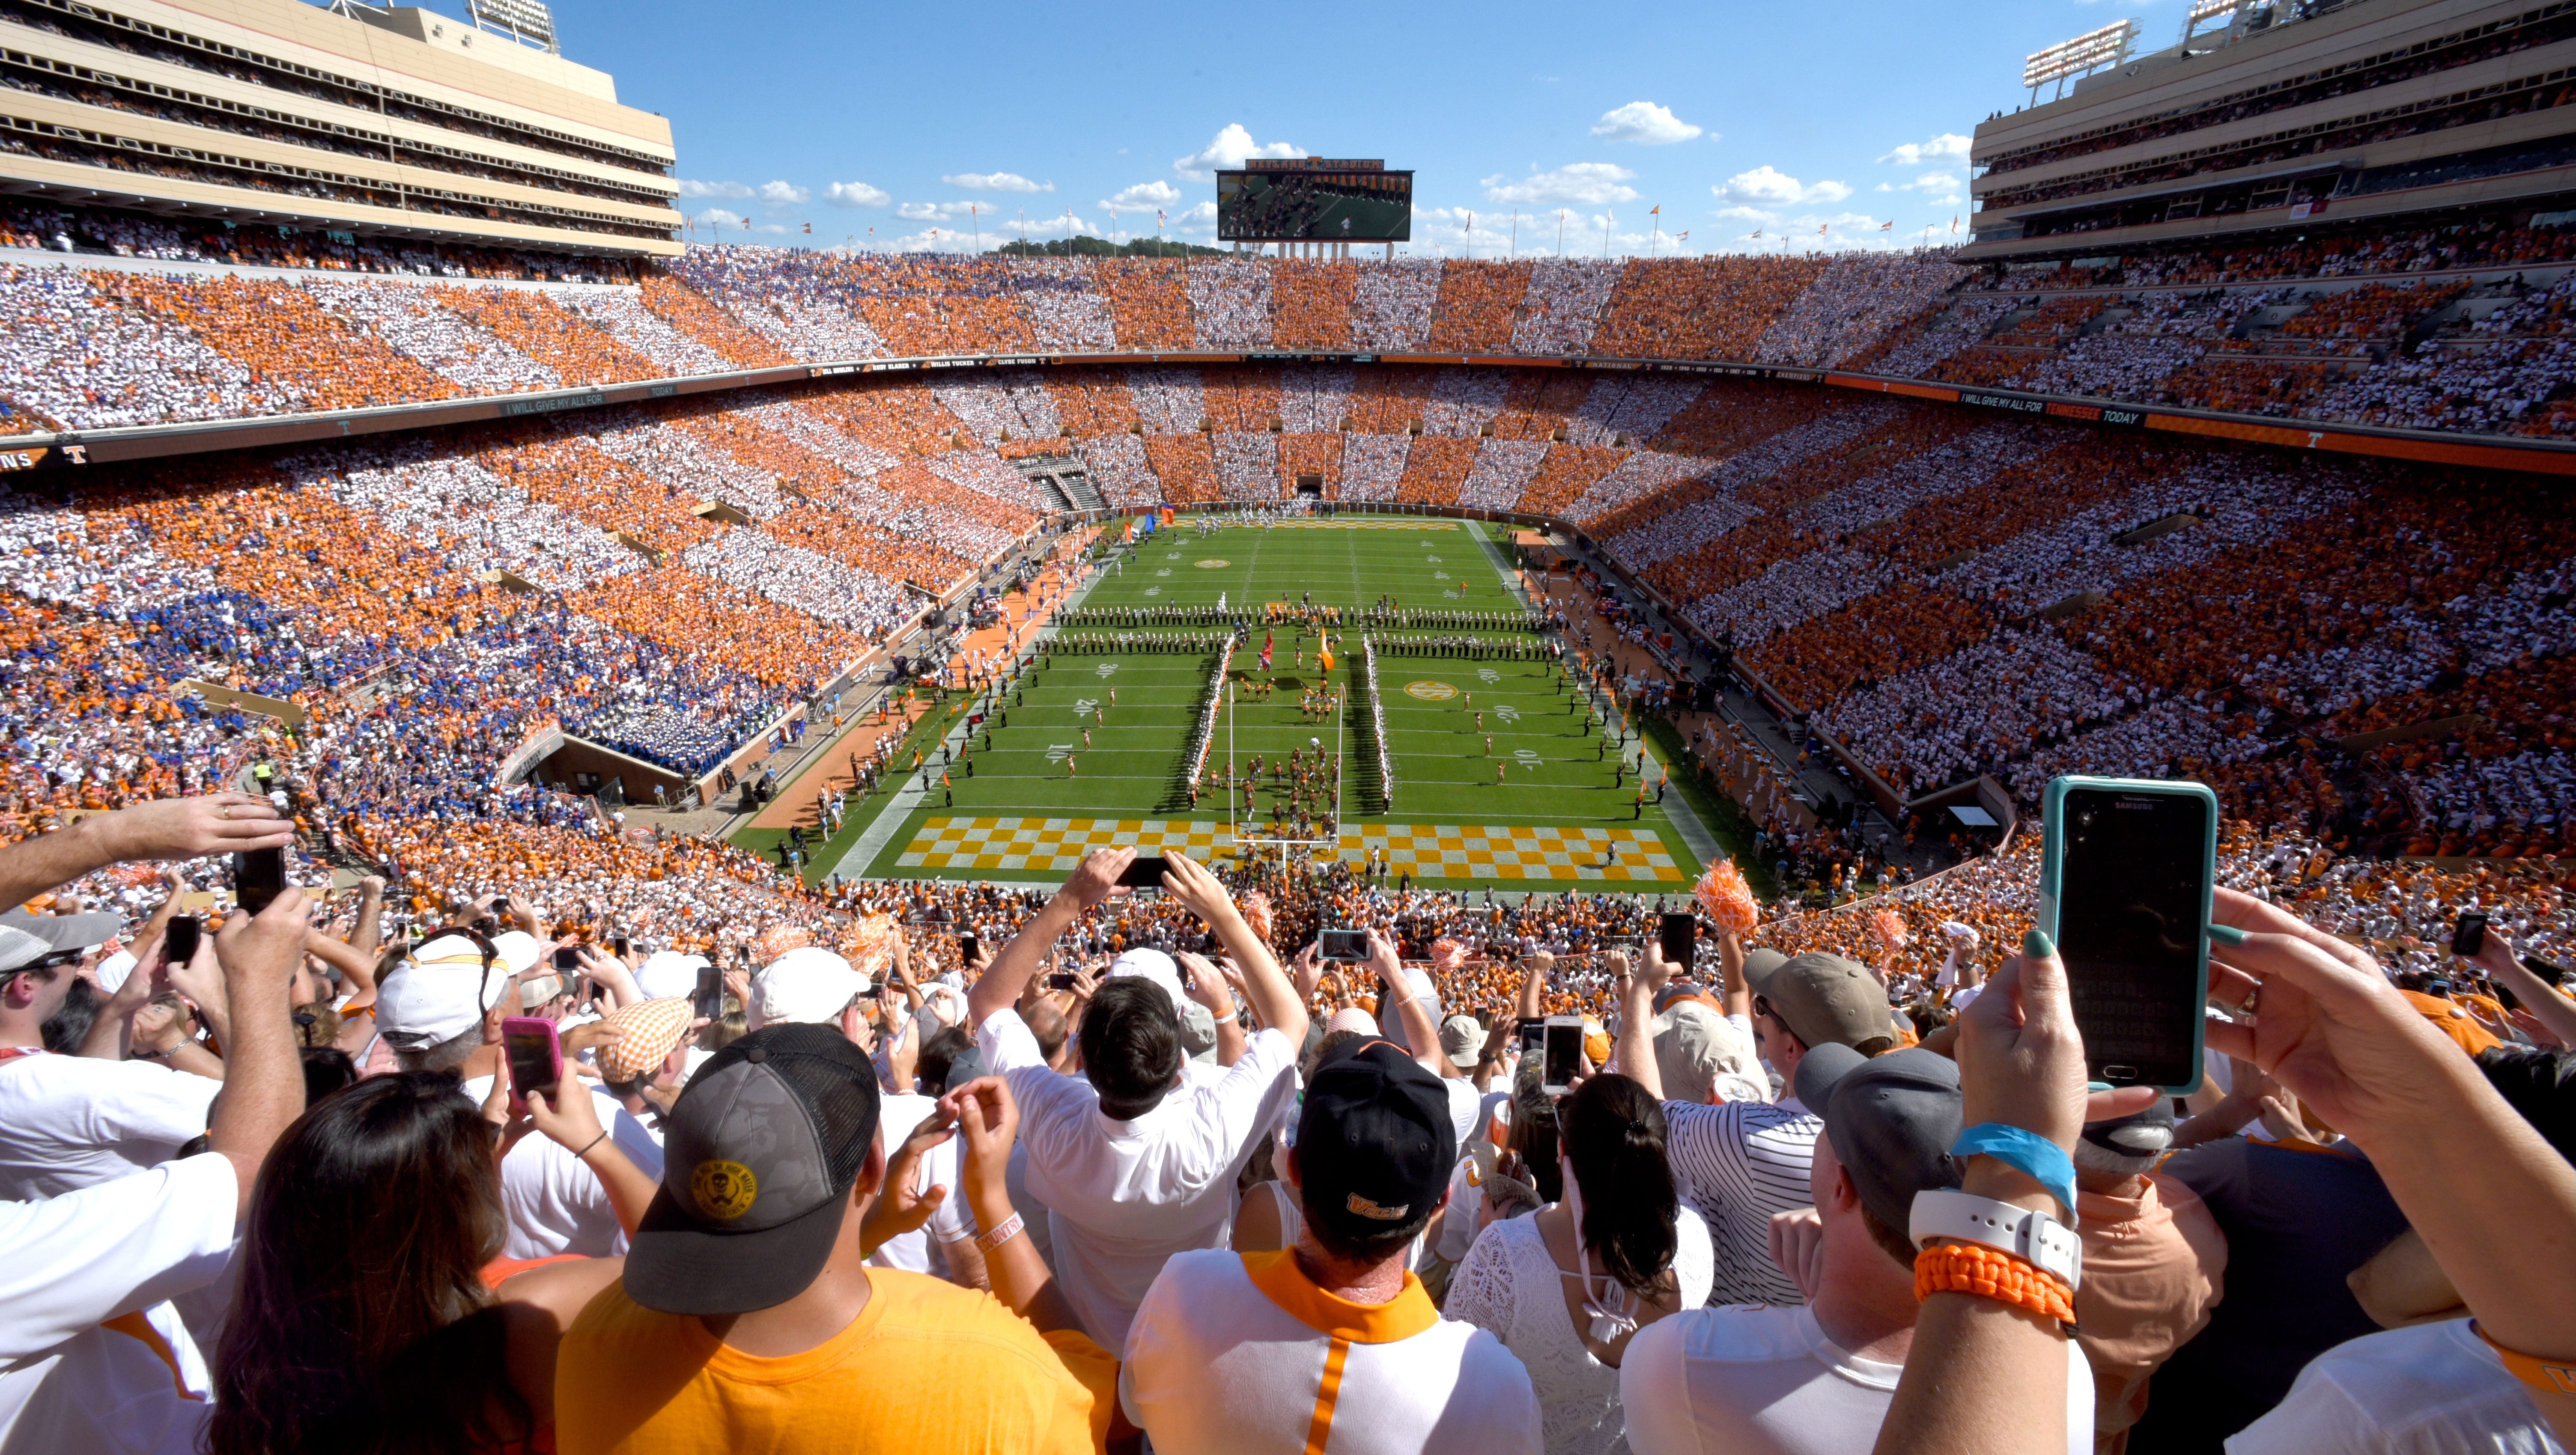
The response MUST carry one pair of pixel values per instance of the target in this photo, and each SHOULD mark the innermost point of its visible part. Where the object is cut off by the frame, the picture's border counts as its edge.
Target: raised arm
(1273, 998)
(1635, 1052)
(166, 828)
(999, 987)
(264, 1075)
(2547, 1003)
(1419, 1031)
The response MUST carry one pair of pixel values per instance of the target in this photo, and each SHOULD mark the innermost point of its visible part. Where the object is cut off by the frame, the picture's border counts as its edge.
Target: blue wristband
(2026, 1152)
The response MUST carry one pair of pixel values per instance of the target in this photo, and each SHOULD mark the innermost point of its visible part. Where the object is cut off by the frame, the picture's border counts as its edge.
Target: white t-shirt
(555, 1202)
(77, 1261)
(69, 1122)
(897, 1114)
(1122, 1196)
(1766, 1381)
(1241, 1354)
(2430, 1388)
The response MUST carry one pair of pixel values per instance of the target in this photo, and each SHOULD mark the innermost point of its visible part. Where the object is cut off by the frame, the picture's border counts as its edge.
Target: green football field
(1503, 776)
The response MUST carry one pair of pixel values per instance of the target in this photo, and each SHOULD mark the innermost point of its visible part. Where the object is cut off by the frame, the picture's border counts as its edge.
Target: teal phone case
(2052, 845)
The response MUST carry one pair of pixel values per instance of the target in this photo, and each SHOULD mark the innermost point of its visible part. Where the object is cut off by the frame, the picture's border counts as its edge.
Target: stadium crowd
(1065, 1167)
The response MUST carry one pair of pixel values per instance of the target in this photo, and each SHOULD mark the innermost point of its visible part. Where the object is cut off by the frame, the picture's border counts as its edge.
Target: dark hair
(1533, 1132)
(941, 1051)
(70, 1023)
(1613, 1133)
(1131, 1045)
(327, 1069)
(2539, 1084)
(362, 1323)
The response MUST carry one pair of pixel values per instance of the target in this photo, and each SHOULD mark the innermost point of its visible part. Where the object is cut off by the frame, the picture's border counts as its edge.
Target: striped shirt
(1735, 1163)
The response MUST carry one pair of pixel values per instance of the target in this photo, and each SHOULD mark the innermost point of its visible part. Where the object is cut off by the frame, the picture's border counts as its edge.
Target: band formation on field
(1211, 694)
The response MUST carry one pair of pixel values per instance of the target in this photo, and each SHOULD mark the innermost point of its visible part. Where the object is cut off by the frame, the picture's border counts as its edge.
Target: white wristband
(2032, 1236)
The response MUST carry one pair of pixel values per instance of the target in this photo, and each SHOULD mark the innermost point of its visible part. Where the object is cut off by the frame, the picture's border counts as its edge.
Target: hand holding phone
(1680, 936)
(1145, 871)
(180, 938)
(535, 1054)
(2469, 934)
(1346, 947)
(568, 957)
(259, 877)
(2126, 871)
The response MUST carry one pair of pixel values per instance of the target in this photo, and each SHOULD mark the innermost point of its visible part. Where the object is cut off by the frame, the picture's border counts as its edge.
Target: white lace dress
(1509, 1287)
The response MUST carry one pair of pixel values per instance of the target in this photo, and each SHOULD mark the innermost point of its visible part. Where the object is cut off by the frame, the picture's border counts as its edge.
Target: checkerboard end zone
(1426, 851)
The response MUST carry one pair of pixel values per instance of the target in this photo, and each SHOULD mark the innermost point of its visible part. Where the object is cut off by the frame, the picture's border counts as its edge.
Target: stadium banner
(2395, 447)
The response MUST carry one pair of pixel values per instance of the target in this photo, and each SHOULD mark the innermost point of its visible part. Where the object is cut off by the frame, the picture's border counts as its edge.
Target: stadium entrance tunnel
(578, 765)
(1310, 487)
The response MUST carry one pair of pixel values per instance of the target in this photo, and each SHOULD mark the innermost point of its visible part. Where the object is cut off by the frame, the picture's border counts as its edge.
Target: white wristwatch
(2032, 1236)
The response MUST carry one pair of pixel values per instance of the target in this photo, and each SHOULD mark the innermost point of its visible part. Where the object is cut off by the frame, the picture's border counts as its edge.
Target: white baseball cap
(519, 949)
(441, 991)
(668, 973)
(807, 986)
(1156, 966)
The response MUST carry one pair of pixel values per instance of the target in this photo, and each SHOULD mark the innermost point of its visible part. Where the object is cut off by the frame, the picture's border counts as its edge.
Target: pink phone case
(515, 1032)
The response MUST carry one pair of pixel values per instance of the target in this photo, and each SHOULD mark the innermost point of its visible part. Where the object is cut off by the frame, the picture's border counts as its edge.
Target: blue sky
(1730, 117)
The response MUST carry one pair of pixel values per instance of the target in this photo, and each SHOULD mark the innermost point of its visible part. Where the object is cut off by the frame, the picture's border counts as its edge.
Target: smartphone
(708, 1002)
(621, 945)
(1348, 947)
(180, 938)
(966, 949)
(486, 926)
(568, 957)
(1680, 934)
(1533, 1037)
(1060, 980)
(1562, 1053)
(1146, 872)
(535, 1056)
(2469, 935)
(259, 877)
(2126, 867)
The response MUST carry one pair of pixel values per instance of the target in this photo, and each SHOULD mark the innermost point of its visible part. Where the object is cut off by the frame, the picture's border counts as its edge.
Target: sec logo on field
(1430, 691)
(724, 1190)
(1212, 565)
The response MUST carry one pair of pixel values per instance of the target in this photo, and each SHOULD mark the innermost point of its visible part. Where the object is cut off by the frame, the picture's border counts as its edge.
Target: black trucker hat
(1375, 1143)
(758, 1159)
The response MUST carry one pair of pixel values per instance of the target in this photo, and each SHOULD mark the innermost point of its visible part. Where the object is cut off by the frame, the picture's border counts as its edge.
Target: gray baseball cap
(759, 1157)
(1892, 1120)
(39, 935)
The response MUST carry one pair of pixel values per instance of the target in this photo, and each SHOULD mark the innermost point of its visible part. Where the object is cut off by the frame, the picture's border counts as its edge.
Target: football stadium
(1297, 817)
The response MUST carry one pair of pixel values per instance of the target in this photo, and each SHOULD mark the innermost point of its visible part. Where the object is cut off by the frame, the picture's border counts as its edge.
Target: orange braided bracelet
(1988, 1273)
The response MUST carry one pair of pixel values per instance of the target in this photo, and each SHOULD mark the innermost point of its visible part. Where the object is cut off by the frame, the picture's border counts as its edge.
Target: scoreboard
(1314, 199)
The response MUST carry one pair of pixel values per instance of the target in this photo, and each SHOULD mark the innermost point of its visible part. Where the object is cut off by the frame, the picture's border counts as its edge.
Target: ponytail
(1613, 1133)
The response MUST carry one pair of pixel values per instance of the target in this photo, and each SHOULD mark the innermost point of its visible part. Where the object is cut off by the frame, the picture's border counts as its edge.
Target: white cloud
(781, 194)
(1230, 149)
(1644, 123)
(690, 188)
(1754, 215)
(1949, 146)
(1144, 195)
(1581, 184)
(721, 222)
(855, 194)
(1769, 187)
(996, 182)
(943, 211)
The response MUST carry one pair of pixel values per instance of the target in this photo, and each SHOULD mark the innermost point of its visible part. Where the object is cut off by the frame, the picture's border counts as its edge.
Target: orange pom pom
(777, 940)
(869, 945)
(1889, 926)
(1727, 898)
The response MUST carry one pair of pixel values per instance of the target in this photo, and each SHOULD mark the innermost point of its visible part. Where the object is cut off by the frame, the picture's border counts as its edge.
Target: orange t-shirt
(2451, 1020)
(925, 1366)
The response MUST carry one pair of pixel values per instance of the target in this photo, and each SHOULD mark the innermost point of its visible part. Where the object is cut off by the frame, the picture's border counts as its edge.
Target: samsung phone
(2126, 868)
(568, 957)
(708, 1003)
(535, 1056)
(1347, 947)
(180, 938)
(1146, 871)
(2469, 935)
(1562, 1054)
(259, 877)
(1680, 935)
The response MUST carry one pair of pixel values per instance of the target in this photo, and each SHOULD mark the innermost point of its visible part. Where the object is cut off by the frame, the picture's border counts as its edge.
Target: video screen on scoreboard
(1302, 201)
